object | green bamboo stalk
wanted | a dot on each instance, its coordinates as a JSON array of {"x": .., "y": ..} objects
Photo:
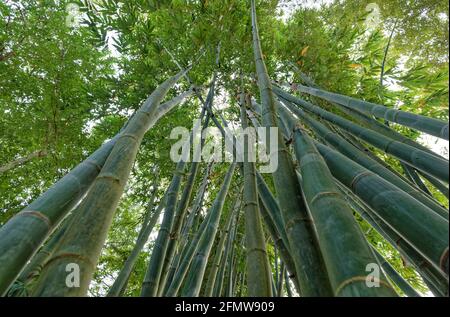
[
  {"x": 421, "y": 160},
  {"x": 415, "y": 178},
  {"x": 198, "y": 266},
  {"x": 310, "y": 268},
  {"x": 280, "y": 280},
  {"x": 231, "y": 267},
  {"x": 54, "y": 205},
  {"x": 219, "y": 253},
  {"x": 186, "y": 259},
  {"x": 82, "y": 244},
  {"x": 414, "y": 222},
  {"x": 407, "y": 289},
  {"x": 351, "y": 152},
  {"x": 286, "y": 283},
  {"x": 279, "y": 244},
  {"x": 150, "y": 220},
  {"x": 344, "y": 247},
  {"x": 258, "y": 269},
  {"x": 21, "y": 286},
  {"x": 18, "y": 243},
  {"x": 428, "y": 125},
  {"x": 272, "y": 216},
  {"x": 369, "y": 121},
  {"x": 218, "y": 283},
  {"x": 195, "y": 209},
  {"x": 179, "y": 218},
  {"x": 185, "y": 197},
  {"x": 155, "y": 266},
  {"x": 437, "y": 184},
  {"x": 434, "y": 278}
]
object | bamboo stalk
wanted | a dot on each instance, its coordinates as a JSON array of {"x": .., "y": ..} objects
[
  {"x": 278, "y": 241},
  {"x": 18, "y": 243},
  {"x": 181, "y": 208},
  {"x": 351, "y": 152},
  {"x": 407, "y": 289},
  {"x": 219, "y": 281},
  {"x": 34, "y": 268},
  {"x": 258, "y": 270},
  {"x": 369, "y": 121},
  {"x": 45, "y": 212},
  {"x": 198, "y": 266},
  {"x": 433, "y": 277},
  {"x": 310, "y": 268},
  {"x": 414, "y": 222},
  {"x": 421, "y": 160},
  {"x": 186, "y": 259},
  {"x": 428, "y": 125},
  {"x": 219, "y": 251},
  {"x": 344, "y": 247},
  {"x": 82, "y": 244},
  {"x": 195, "y": 209}
]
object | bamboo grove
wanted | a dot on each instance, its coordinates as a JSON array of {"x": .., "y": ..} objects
[{"x": 349, "y": 184}]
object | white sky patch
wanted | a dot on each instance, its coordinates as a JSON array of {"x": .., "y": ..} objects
[{"x": 435, "y": 144}]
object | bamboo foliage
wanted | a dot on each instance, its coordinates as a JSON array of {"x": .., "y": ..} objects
[
  {"x": 421, "y": 160},
  {"x": 344, "y": 248},
  {"x": 82, "y": 243},
  {"x": 416, "y": 223},
  {"x": 310, "y": 268}
]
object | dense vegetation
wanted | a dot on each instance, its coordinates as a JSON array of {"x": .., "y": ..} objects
[{"x": 91, "y": 90}]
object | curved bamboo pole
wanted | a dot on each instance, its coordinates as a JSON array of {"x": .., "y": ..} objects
[
  {"x": 353, "y": 153},
  {"x": 34, "y": 268},
  {"x": 198, "y": 264},
  {"x": 423, "y": 161},
  {"x": 344, "y": 247},
  {"x": 310, "y": 268},
  {"x": 428, "y": 125},
  {"x": 82, "y": 243},
  {"x": 398, "y": 280},
  {"x": 220, "y": 251},
  {"x": 18, "y": 243},
  {"x": 258, "y": 270},
  {"x": 413, "y": 221}
]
